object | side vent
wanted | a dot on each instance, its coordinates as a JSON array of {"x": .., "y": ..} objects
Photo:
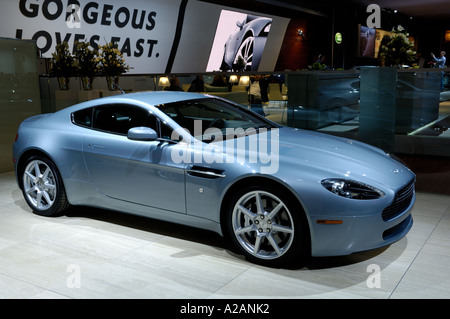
[{"x": 205, "y": 172}]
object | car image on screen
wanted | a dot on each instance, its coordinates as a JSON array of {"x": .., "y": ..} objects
[
  {"x": 278, "y": 194},
  {"x": 244, "y": 48}
]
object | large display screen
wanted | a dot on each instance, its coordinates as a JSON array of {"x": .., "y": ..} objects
[
  {"x": 157, "y": 36},
  {"x": 367, "y": 42},
  {"x": 370, "y": 41},
  {"x": 239, "y": 42},
  {"x": 378, "y": 38}
]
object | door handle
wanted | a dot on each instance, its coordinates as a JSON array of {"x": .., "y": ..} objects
[{"x": 97, "y": 147}]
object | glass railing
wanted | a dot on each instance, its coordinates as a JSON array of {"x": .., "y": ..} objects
[{"x": 402, "y": 111}]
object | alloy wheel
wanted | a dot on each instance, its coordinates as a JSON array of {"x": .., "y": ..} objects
[
  {"x": 263, "y": 225},
  {"x": 39, "y": 184},
  {"x": 245, "y": 52}
]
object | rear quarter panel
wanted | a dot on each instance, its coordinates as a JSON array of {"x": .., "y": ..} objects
[{"x": 61, "y": 141}]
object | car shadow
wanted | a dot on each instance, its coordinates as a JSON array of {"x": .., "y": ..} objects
[
  {"x": 150, "y": 225},
  {"x": 206, "y": 237}
]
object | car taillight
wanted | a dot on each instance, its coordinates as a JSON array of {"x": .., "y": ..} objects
[{"x": 17, "y": 136}]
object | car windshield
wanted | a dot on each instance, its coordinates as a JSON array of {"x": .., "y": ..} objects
[{"x": 205, "y": 119}]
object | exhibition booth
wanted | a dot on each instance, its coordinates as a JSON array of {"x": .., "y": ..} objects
[{"x": 219, "y": 230}]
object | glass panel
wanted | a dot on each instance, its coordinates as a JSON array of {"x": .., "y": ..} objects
[
  {"x": 397, "y": 110},
  {"x": 19, "y": 92}
]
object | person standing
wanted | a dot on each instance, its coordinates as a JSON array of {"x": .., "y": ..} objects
[
  {"x": 197, "y": 84},
  {"x": 255, "y": 95},
  {"x": 174, "y": 85},
  {"x": 440, "y": 63}
]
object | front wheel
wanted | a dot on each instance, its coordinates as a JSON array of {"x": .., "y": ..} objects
[
  {"x": 244, "y": 55},
  {"x": 42, "y": 187},
  {"x": 268, "y": 227}
]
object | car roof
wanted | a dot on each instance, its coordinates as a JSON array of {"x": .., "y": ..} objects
[
  {"x": 155, "y": 97},
  {"x": 148, "y": 98}
]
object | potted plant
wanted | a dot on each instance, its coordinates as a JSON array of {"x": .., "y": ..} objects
[
  {"x": 397, "y": 49},
  {"x": 112, "y": 64},
  {"x": 62, "y": 65},
  {"x": 87, "y": 62}
]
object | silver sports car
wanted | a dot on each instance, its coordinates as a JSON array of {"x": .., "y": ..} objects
[{"x": 277, "y": 193}]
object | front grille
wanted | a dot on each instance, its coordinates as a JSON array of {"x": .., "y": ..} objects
[
  {"x": 401, "y": 201},
  {"x": 397, "y": 229}
]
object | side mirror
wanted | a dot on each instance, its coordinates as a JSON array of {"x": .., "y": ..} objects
[{"x": 142, "y": 134}]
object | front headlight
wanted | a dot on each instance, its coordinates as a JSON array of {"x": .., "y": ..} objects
[{"x": 352, "y": 189}]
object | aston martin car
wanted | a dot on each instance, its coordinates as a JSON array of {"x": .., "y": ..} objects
[
  {"x": 243, "y": 49},
  {"x": 279, "y": 194}
]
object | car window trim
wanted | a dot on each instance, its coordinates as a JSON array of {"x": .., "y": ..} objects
[{"x": 91, "y": 126}]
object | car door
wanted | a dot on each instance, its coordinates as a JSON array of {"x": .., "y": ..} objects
[{"x": 140, "y": 172}]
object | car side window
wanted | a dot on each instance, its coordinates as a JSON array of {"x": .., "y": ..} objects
[
  {"x": 119, "y": 118},
  {"x": 83, "y": 117}
]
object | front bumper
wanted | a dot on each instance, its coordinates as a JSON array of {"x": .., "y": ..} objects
[{"x": 357, "y": 233}]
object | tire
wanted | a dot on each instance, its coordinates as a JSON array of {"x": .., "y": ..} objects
[
  {"x": 268, "y": 227},
  {"x": 42, "y": 187}
]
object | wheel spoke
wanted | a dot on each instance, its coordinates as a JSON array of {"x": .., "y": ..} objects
[
  {"x": 47, "y": 198},
  {"x": 274, "y": 244},
  {"x": 259, "y": 204},
  {"x": 282, "y": 229},
  {"x": 246, "y": 212},
  {"x": 31, "y": 176},
  {"x": 244, "y": 230},
  {"x": 31, "y": 190},
  {"x": 275, "y": 211},
  {"x": 47, "y": 171},
  {"x": 257, "y": 245},
  {"x": 37, "y": 171},
  {"x": 245, "y": 50},
  {"x": 49, "y": 186},
  {"x": 39, "y": 199}
]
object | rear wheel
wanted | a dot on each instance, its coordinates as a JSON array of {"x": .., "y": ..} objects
[
  {"x": 42, "y": 187},
  {"x": 267, "y": 227}
]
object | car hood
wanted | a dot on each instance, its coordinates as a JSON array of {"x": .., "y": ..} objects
[{"x": 322, "y": 156}]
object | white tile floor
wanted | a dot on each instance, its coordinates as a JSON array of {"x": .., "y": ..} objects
[{"x": 97, "y": 254}]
